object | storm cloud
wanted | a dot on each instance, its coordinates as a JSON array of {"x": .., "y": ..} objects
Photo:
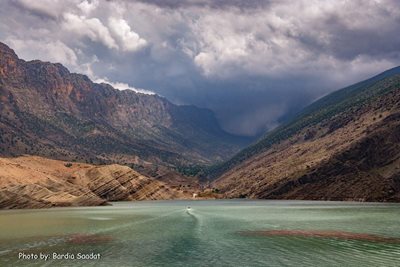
[{"x": 252, "y": 62}]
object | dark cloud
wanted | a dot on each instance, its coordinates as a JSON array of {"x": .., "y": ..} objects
[
  {"x": 345, "y": 42},
  {"x": 206, "y": 3},
  {"x": 252, "y": 62}
]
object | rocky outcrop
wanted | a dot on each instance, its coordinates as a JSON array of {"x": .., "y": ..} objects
[{"x": 35, "y": 182}]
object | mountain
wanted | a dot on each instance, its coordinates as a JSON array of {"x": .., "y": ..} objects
[
  {"x": 345, "y": 146},
  {"x": 35, "y": 182},
  {"x": 48, "y": 111}
]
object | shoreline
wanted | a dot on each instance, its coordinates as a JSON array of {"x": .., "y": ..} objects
[{"x": 161, "y": 201}]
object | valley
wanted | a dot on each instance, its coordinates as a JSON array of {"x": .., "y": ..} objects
[{"x": 66, "y": 141}]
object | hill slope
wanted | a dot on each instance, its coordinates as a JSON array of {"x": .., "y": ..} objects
[
  {"x": 343, "y": 146},
  {"x": 48, "y": 111},
  {"x": 35, "y": 182}
]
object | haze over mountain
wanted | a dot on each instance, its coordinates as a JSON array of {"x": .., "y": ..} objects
[
  {"x": 48, "y": 111},
  {"x": 254, "y": 63},
  {"x": 345, "y": 146}
]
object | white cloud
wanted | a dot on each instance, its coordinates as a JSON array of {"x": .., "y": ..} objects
[
  {"x": 280, "y": 39},
  {"x": 88, "y": 6},
  {"x": 123, "y": 86},
  {"x": 50, "y": 8},
  {"x": 53, "y": 51},
  {"x": 92, "y": 28},
  {"x": 116, "y": 35},
  {"x": 129, "y": 40}
]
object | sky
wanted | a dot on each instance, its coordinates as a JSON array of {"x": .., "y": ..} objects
[{"x": 254, "y": 63}]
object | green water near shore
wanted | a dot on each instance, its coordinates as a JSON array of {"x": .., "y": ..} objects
[{"x": 164, "y": 233}]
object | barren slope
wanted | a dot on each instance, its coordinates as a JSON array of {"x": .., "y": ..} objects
[
  {"x": 343, "y": 148},
  {"x": 35, "y": 182}
]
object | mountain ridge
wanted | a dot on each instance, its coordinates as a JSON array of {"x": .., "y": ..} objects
[
  {"x": 270, "y": 138},
  {"x": 342, "y": 147},
  {"x": 51, "y": 112}
]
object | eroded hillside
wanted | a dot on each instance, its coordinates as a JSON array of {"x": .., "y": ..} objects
[
  {"x": 343, "y": 147},
  {"x": 36, "y": 182}
]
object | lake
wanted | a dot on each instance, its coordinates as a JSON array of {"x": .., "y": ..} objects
[{"x": 210, "y": 233}]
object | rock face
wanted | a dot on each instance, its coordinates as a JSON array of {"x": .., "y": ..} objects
[
  {"x": 35, "y": 182},
  {"x": 343, "y": 147},
  {"x": 48, "y": 111}
]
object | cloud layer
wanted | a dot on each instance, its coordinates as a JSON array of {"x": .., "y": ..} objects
[{"x": 252, "y": 62}]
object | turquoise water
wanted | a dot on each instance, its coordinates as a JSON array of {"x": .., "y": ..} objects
[{"x": 165, "y": 233}]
